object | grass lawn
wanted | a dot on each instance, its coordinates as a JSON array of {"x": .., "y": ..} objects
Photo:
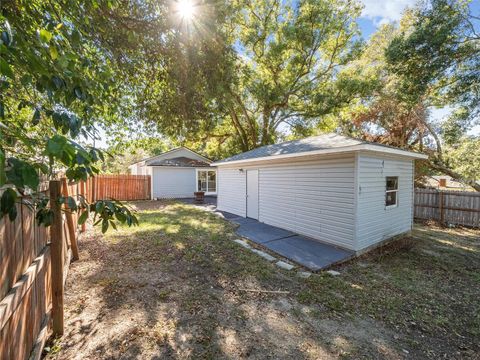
[{"x": 175, "y": 287}]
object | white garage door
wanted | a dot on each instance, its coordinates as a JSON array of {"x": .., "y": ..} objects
[{"x": 173, "y": 183}]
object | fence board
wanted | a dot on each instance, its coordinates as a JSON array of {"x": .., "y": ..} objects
[{"x": 448, "y": 207}]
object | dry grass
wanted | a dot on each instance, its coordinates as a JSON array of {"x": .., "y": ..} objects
[{"x": 170, "y": 288}]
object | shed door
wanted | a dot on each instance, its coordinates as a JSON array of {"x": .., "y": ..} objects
[{"x": 252, "y": 194}]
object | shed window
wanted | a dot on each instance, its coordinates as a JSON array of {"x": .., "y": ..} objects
[
  {"x": 207, "y": 181},
  {"x": 391, "y": 198}
]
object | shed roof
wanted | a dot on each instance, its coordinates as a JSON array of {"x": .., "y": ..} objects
[
  {"x": 154, "y": 157},
  {"x": 178, "y": 161},
  {"x": 322, "y": 144}
]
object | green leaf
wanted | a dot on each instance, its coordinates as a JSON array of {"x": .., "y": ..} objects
[
  {"x": 112, "y": 223},
  {"x": 76, "y": 37},
  {"x": 55, "y": 145},
  {"x": 104, "y": 226},
  {"x": 79, "y": 93},
  {"x": 22, "y": 174},
  {"x": 83, "y": 218},
  {"x": 36, "y": 117},
  {"x": 99, "y": 207},
  {"x": 45, "y": 35},
  {"x": 121, "y": 217},
  {"x": 7, "y": 201},
  {"x": 5, "y": 69},
  {"x": 59, "y": 82},
  {"x": 72, "y": 204},
  {"x": 53, "y": 52},
  {"x": 12, "y": 214},
  {"x": 30, "y": 176}
]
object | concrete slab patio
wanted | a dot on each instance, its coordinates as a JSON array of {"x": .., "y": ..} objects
[
  {"x": 307, "y": 252},
  {"x": 304, "y": 251}
]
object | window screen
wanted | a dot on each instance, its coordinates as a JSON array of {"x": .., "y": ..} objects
[{"x": 391, "y": 198}]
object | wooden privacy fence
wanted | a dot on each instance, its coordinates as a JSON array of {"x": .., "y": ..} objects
[
  {"x": 34, "y": 261},
  {"x": 119, "y": 187},
  {"x": 33, "y": 265},
  {"x": 448, "y": 207}
]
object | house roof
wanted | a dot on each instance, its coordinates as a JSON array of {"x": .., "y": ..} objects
[
  {"x": 322, "y": 144},
  {"x": 178, "y": 161},
  {"x": 152, "y": 158}
]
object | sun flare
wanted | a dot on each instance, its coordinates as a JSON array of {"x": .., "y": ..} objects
[{"x": 185, "y": 9}]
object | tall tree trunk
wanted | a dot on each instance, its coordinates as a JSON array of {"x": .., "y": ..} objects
[{"x": 240, "y": 131}]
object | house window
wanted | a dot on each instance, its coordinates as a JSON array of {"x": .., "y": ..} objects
[
  {"x": 391, "y": 198},
  {"x": 207, "y": 181}
]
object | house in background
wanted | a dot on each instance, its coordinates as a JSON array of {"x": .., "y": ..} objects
[
  {"x": 445, "y": 182},
  {"x": 334, "y": 189},
  {"x": 178, "y": 173}
]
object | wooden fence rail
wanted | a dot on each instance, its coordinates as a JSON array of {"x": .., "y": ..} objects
[{"x": 448, "y": 207}]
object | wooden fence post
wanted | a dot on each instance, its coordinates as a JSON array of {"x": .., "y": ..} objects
[
  {"x": 57, "y": 257},
  {"x": 441, "y": 208},
  {"x": 72, "y": 234}
]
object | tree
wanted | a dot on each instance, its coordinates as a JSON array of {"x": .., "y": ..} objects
[
  {"x": 437, "y": 60},
  {"x": 249, "y": 68},
  {"x": 397, "y": 109},
  {"x": 464, "y": 157},
  {"x": 56, "y": 82},
  {"x": 439, "y": 56},
  {"x": 287, "y": 58},
  {"x": 124, "y": 153}
]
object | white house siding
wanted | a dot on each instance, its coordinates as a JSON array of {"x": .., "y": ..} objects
[
  {"x": 313, "y": 198},
  {"x": 231, "y": 191},
  {"x": 375, "y": 222},
  {"x": 173, "y": 182}
]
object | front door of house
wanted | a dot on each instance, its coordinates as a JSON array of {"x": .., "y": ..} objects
[{"x": 252, "y": 194}]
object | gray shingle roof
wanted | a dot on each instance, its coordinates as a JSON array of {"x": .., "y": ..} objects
[
  {"x": 178, "y": 161},
  {"x": 313, "y": 143}
]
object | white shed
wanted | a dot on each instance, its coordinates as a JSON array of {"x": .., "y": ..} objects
[
  {"x": 334, "y": 189},
  {"x": 178, "y": 173}
]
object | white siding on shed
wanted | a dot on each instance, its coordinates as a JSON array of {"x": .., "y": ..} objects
[
  {"x": 313, "y": 198},
  {"x": 231, "y": 191},
  {"x": 168, "y": 182},
  {"x": 375, "y": 222}
]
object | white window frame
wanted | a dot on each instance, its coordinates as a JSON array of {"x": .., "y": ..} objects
[
  {"x": 216, "y": 180},
  {"x": 391, "y": 191}
]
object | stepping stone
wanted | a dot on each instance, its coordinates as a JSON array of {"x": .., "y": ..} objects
[
  {"x": 333, "y": 272},
  {"x": 243, "y": 243},
  {"x": 304, "y": 274},
  {"x": 284, "y": 265},
  {"x": 264, "y": 255}
]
